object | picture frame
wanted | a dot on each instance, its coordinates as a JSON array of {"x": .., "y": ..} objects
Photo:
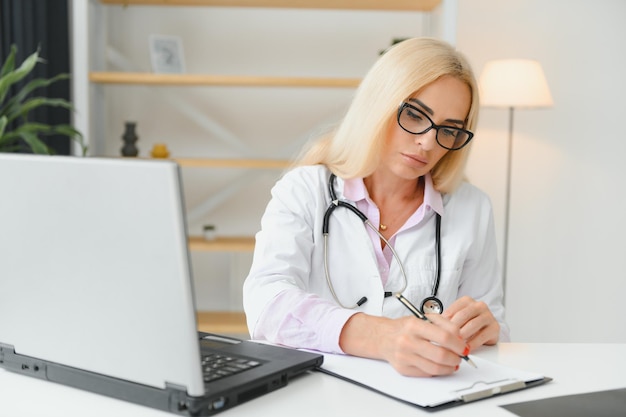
[{"x": 166, "y": 54}]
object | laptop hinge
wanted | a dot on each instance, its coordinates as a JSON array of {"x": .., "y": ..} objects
[
  {"x": 9, "y": 349},
  {"x": 177, "y": 397},
  {"x": 20, "y": 363}
]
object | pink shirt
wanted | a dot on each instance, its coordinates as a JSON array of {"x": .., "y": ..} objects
[
  {"x": 354, "y": 190},
  {"x": 315, "y": 322}
]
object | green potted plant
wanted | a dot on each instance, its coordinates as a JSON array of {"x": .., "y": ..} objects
[{"x": 15, "y": 127}]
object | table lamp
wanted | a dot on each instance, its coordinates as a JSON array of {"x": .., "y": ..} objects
[{"x": 512, "y": 83}]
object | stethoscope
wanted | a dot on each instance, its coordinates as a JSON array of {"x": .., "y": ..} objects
[{"x": 430, "y": 304}]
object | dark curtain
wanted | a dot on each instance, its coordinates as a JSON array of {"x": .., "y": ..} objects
[{"x": 43, "y": 24}]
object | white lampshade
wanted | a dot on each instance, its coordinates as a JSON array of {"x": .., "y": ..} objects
[{"x": 514, "y": 83}]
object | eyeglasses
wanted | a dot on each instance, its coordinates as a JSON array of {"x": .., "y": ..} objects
[{"x": 415, "y": 121}]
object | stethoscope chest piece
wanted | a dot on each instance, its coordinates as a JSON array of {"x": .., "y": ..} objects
[{"x": 432, "y": 305}]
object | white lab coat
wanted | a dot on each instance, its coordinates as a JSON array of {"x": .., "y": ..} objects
[{"x": 289, "y": 251}]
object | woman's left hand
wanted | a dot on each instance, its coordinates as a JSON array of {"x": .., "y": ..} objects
[{"x": 478, "y": 326}]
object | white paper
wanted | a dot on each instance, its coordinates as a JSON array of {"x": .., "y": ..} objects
[{"x": 426, "y": 392}]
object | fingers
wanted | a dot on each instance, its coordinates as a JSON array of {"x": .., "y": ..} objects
[
  {"x": 426, "y": 349},
  {"x": 444, "y": 323},
  {"x": 477, "y": 325},
  {"x": 427, "y": 363},
  {"x": 425, "y": 359},
  {"x": 457, "y": 306},
  {"x": 488, "y": 335}
]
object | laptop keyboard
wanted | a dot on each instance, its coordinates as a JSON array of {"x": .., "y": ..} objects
[{"x": 216, "y": 366}]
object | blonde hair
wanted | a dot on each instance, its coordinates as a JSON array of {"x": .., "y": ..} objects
[{"x": 353, "y": 148}]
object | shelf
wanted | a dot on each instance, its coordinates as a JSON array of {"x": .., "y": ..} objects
[
  {"x": 148, "y": 78},
  {"x": 232, "y": 163},
  {"x": 222, "y": 243},
  {"x": 413, "y": 5},
  {"x": 222, "y": 322}
]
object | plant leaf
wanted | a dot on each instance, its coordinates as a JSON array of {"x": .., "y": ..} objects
[
  {"x": 9, "y": 64},
  {"x": 35, "y": 143},
  {"x": 72, "y": 133},
  {"x": 20, "y": 105},
  {"x": 10, "y": 105},
  {"x": 35, "y": 102},
  {"x": 16, "y": 75},
  {"x": 3, "y": 125},
  {"x": 43, "y": 129},
  {"x": 12, "y": 148},
  {"x": 31, "y": 127},
  {"x": 27, "y": 128},
  {"x": 67, "y": 130}
]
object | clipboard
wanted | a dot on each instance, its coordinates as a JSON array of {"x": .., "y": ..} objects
[{"x": 464, "y": 386}]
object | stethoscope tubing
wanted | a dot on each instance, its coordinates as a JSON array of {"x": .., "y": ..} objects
[
  {"x": 438, "y": 246},
  {"x": 335, "y": 202}
]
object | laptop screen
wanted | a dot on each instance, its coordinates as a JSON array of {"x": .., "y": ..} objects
[{"x": 95, "y": 264}]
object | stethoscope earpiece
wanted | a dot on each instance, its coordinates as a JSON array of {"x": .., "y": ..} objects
[{"x": 362, "y": 301}]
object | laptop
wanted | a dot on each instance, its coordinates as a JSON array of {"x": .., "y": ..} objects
[{"x": 96, "y": 289}]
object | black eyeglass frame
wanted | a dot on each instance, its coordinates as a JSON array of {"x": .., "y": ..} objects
[{"x": 404, "y": 105}]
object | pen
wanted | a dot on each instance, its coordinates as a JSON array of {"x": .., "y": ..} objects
[{"x": 422, "y": 316}]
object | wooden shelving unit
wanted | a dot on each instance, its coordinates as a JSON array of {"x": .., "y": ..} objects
[
  {"x": 148, "y": 78},
  {"x": 225, "y": 244},
  {"x": 222, "y": 322},
  {"x": 229, "y": 322},
  {"x": 408, "y": 5},
  {"x": 232, "y": 163}
]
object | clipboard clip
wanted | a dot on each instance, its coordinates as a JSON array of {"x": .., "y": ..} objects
[{"x": 491, "y": 389}]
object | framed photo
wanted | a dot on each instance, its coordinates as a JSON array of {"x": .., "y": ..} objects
[{"x": 166, "y": 54}]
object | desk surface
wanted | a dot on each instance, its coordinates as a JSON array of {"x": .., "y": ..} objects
[{"x": 576, "y": 368}]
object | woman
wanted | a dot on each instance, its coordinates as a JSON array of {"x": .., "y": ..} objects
[{"x": 398, "y": 156}]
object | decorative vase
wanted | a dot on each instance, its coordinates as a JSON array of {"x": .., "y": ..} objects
[
  {"x": 130, "y": 139},
  {"x": 208, "y": 230},
  {"x": 159, "y": 150}
]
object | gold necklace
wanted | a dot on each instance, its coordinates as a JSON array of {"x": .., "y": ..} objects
[{"x": 382, "y": 227}]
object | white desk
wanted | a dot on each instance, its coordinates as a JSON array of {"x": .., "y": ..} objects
[{"x": 576, "y": 368}]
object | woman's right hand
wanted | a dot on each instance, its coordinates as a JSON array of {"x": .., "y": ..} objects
[{"x": 413, "y": 347}]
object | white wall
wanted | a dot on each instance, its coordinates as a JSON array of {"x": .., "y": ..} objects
[{"x": 566, "y": 278}]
